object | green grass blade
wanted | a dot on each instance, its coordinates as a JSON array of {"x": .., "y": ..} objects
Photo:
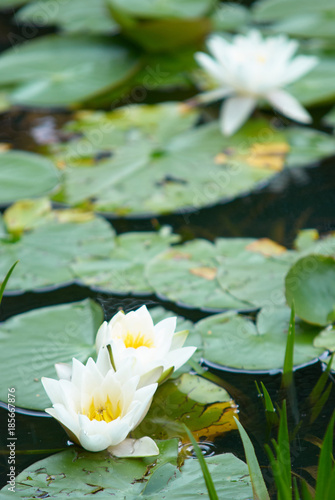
[
  {"x": 325, "y": 463},
  {"x": 321, "y": 383},
  {"x": 5, "y": 281},
  {"x": 267, "y": 399},
  {"x": 320, "y": 403},
  {"x": 284, "y": 456},
  {"x": 207, "y": 476},
  {"x": 295, "y": 489},
  {"x": 331, "y": 486},
  {"x": 258, "y": 485},
  {"x": 289, "y": 352},
  {"x": 284, "y": 493},
  {"x": 305, "y": 493}
]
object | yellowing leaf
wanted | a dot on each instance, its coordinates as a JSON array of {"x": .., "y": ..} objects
[
  {"x": 266, "y": 247},
  {"x": 221, "y": 416},
  {"x": 74, "y": 215},
  {"x": 208, "y": 273},
  {"x": 270, "y": 156},
  {"x": 26, "y": 214}
]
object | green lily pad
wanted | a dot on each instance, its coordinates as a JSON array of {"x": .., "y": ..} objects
[
  {"x": 265, "y": 11},
  {"x": 207, "y": 409},
  {"x": 233, "y": 273},
  {"x": 310, "y": 285},
  {"x": 157, "y": 9},
  {"x": 32, "y": 342},
  {"x": 47, "y": 243},
  {"x": 25, "y": 175},
  {"x": 75, "y": 16},
  {"x": 234, "y": 341},
  {"x": 230, "y": 17},
  {"x": 77, "y": 473},
  {"x": 65, "y": 70},
  {"x": 163, "y": 26},
  {"x": 122, "y": 271},
  {"x": 146, "y": 160}
]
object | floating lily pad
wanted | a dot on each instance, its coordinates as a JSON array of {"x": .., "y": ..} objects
[
  {"x": 122, "y": 271},
  {"x": 25, "y": 175},
  {"x": 47, "y": 243},
  {"x": 83, "y": 474},
  {"x": 31, "y": 343},
  {"x": 233, "y": 273},
  {"x": 235, "y": 341},
  {"x": 75, "y": 16},
  {"x": 65, "y": 70},
  {"x": 157, "y": 9},
  {"x": 163, "y": 26},
  {"x": 151, "y": 159},
  {"x": 265, "y": 11},
  {"x": 207, "y": 409},
  {"x": 310, "y": 285},
  {"x": 230, "y": 17}
]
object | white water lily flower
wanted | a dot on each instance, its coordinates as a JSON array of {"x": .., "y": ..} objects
[
  {"x": 251, "y": 68},
  {"x": 99, "y": 407},
  {"x": 134, "y": 335}
]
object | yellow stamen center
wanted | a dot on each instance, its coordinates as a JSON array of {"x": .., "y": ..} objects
[
  {"x": 104, "y": 412},
  {"x": 137, "y": 340}
]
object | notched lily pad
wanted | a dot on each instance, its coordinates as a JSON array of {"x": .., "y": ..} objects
[
  {"x": 151, "y": 159},
  {"x": 234, "y": 341},
  {"x": 232, "y": 273},
  {"x": 122, "y": 271}
]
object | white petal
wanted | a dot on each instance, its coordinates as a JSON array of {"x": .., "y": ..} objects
[
  {"x": 151, "y": 376},
  {"x": 210, "y": 66},
  {"x": 102, "y": 336},
  {"x": 53, "y": 389},
  {"x": 64, "y": 370},
  {"x": 179, "y": 339},
  {"x": 163, "y": 332},
  {"x": 234, "y": 112},
  {"x": 213, "y": 95},
  {"x": 289, "y": 106},
  {"x": 299, "y": 67},
  {"x": 180, "y": 356},
  {"x": 66, "y": 418},
  {"x": 143, "y": 447},
  {"x": 103, "y": 361}
]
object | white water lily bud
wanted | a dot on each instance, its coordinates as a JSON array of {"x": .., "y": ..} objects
[
  {"x": 156, "y": 350},
  {"x": 253, "y": 68}
]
